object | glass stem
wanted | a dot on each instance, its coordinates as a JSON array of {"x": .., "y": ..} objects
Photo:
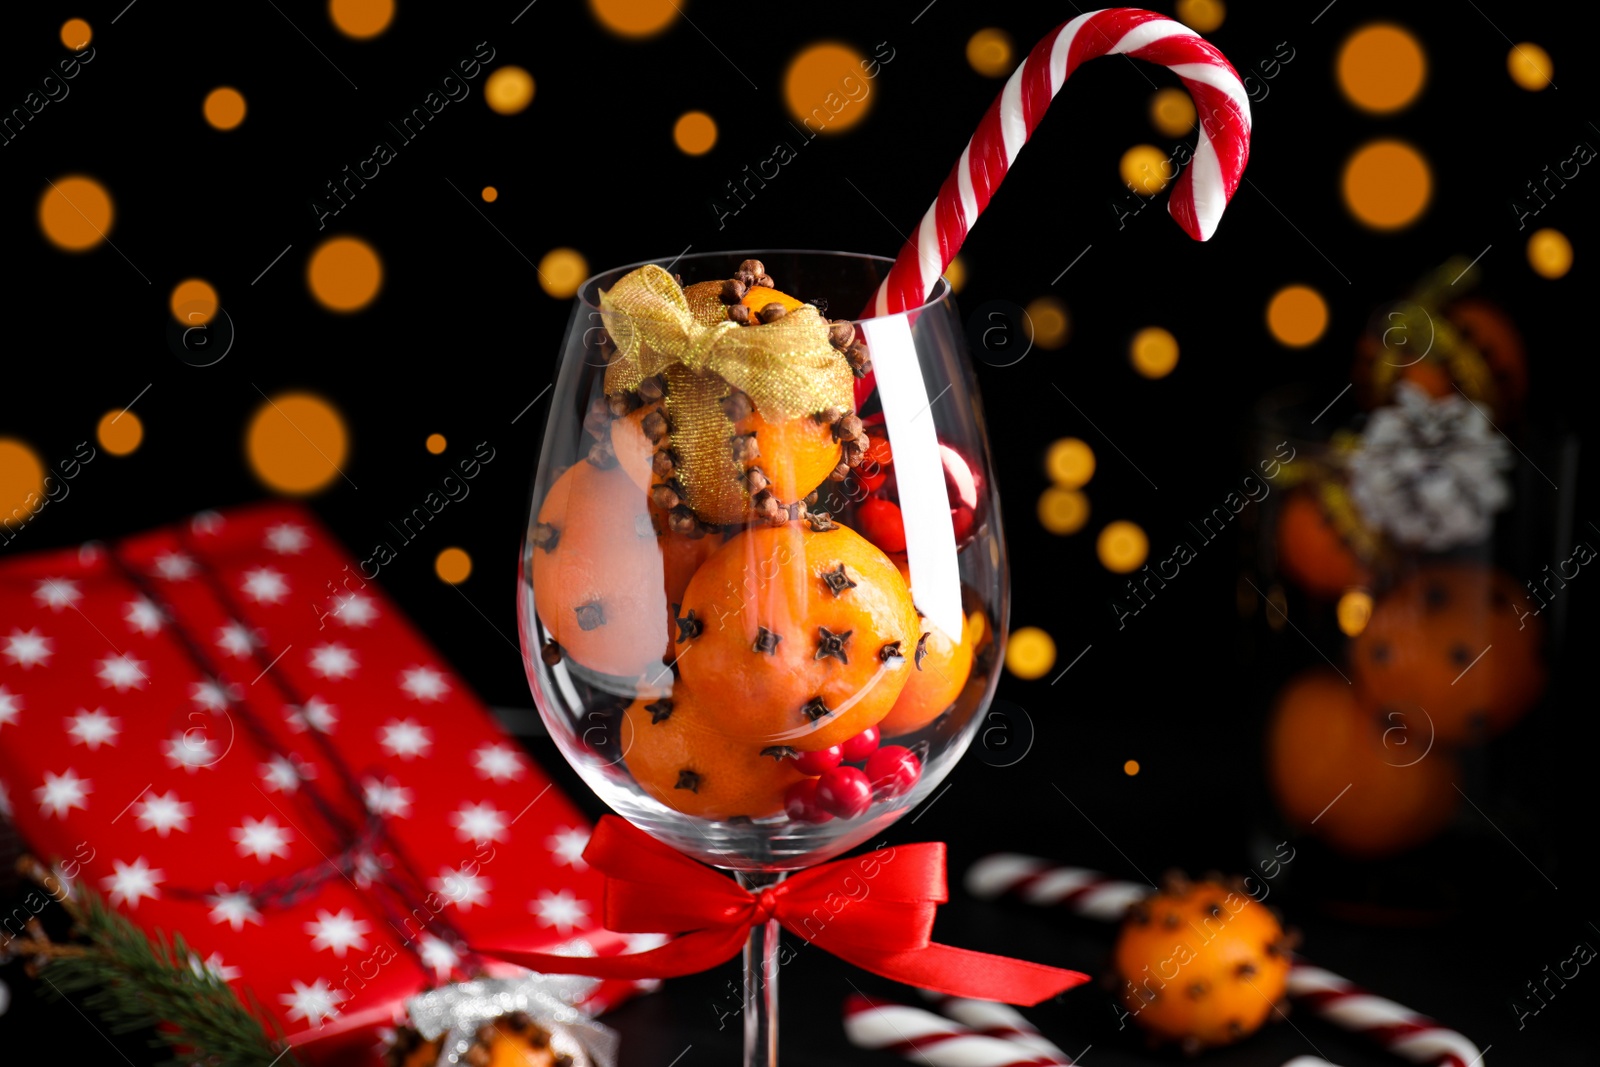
[{"x": 761, "y": 980}]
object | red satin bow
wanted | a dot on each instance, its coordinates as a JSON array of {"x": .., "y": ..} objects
[{"x": 875, "y": 911}]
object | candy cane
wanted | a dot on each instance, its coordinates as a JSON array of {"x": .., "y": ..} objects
[
  {"x": 1199, "y": 196},
  {"x": 1091, "y": 894},
  {"x": 1085, "y": 892},
  {"x": 930, "y": 1039},
  {"x": 1397, "y": 1028},
  {"x": 993, "y": 1019}
]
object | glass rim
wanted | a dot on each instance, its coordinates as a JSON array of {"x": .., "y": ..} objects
[{"x": 942, "y": 291}]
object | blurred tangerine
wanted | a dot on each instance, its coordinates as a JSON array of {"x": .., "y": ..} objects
[
  {"x": 76, "y": 34},
  {"x": 453, "y": 566},
  {"x": 1172, "y": 112},
  {"x": 1122, "y": 547},
  {"x": 1030, "y": 653},
  {"x": 21, "y": 476},
  {"x": 1153, "y": 352},
  {"x": 1530, "y": 66},
  {"x": 561, "y": 271},
  {"x": 1297, "y": 316},
  {"x": 989, "y": 52}
]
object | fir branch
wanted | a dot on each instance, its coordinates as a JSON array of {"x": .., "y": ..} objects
[{"x": 134, "y": 982}]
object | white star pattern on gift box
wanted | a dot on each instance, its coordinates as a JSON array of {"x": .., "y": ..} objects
[
  {"x": 287, "y": 539},
  {"x": 190, "y": 749},
  {"x": 89, "y": 728},
  {"x": 314, "y": 1002},
  {"x": 316, "y": 714},
  {"x": 133, "y": 882},
  {"x": 283, "y": 774},
  {"x": 338, "y": 933},
  {"x": 236, "y": 640},
  {"x": 261, "y": 838},
  {"x": 332, "y": 661},
  {"x": 122, "y": 673},
  {"x": 566, "y": 847},
  {"x": 561, "y": 910},
  {"x": 28, "y": 648},
  {"x": 387, "y": 797},
  {"x": 174, "y": 567},
  {"x": 355, "y": 610},
  {"x": 10, "y": 706},
  {"x": 142, "y": 616},
  {"x": 424, "y": 683},
  {"x": 642, "y": 942},
  {"x": 442, "y": 956},
  {"x": 498, "y": 763},
  {"x": 233, "y": 908},
  {"x": 63, "y": 792},
  {"x": 369, "y": 867},
  {"x": 212, "y": 965},
  {"x": 211, "y": 695},
  {"x": 479, "y": 823},
  {"x": 405, "y": 739},
  {"x": 57, "y": 594},
  {"x": 460, "y": 888},
  {"x": 207, "y": 522},
  {"x": 164, "y": 813},
  {"x": 264, "y": 585}
]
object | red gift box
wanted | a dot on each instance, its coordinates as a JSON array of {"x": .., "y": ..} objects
[{"x": 230, "y": 733}]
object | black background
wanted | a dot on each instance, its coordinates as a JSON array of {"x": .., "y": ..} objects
[{"x": 462, "y": 339}]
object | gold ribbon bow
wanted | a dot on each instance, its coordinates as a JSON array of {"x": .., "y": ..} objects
[{"x": 787, "y": 367}]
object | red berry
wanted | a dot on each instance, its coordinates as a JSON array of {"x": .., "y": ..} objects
[
  {"x": 880, "y": 523},
  {"x": 819, "y": 762},
  {"x": 893, "y": 769},
  {"x": 874, "y": 470},
  {"x": 858, "y": 747},
  {"x": 843, "y": 791},
  {"x": 800, "y": 801}
]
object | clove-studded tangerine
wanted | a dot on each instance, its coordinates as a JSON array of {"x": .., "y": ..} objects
[
  {"x": 791, "y": 661},
  {"x": 698, "y": 442},
  {"x": 1450, "y": 642},
  {"x": 1201, "y": 965},
  {"x": 940, "y": 666},
  {"x": 598, "y": 581},
  {"x": 677, "y": 755}
]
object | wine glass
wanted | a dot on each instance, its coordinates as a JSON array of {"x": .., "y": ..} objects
[{"x": 763, "y": 591}]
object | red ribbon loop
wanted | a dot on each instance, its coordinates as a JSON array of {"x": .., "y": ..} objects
[{"x": 875, "y": 911}]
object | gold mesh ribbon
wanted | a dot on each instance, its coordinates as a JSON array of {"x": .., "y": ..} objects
[{"x": 787, "y": 367}]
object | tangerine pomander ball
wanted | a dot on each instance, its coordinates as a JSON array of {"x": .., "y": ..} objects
[
  {"x": 1311, "y": 552},
  {"x": 598, "y": 582},
  {"x": 940, "y": 667},
  {"x": 1450, "y": 642},
  {"x": 1201, "y": 965},
  {"x": 804, "y": 634},
  {"x": 1369, "y": 783},
  {"x": 678, "y": 755}
]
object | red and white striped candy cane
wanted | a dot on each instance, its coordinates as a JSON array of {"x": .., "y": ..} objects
[
  {"x": 1091, "y": 894},
  {"x": 1396, "y": 1027},
  {"x": 1201, "y": 193},
  {"x": 932, "y": 1040},
  {"x": 993, "y": 1019},
  {"x": 1088, "y": 893}
]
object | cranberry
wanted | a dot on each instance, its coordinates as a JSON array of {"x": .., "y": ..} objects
[
  {"x": 844, "y": 791},
  {"x": 880, "y": 523},
  {"x": 894, "y": 770},
  {"x": 858, "y": 747},
  {"x": 800, "y": 801},
  {"x": 874, "y": 470},
  {"x": 819, "y": 762}
]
